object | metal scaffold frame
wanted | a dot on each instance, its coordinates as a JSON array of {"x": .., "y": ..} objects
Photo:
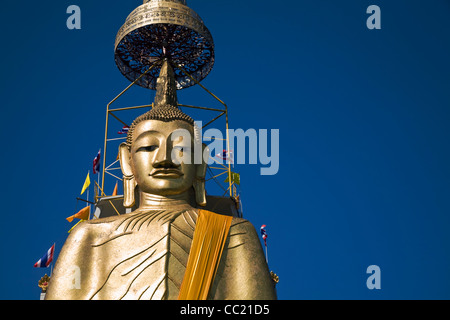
[{"x": 111, "y": 112}]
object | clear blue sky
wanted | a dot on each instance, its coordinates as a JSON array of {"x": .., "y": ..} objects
[{"x": 363, "y": 116}]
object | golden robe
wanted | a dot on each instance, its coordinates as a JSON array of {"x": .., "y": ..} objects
[{"x": 144, "y": 254}]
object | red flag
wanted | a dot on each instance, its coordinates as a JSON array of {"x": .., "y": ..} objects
[
  {"x": 96, "y": 163},
  {"x": 264, "y": 234},
  {"x": 225, "y": 155},
  {"x": 45, "y": 261}
]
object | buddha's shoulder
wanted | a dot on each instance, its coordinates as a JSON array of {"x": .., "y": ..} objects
[
  {"x": 96, "y": 225},
  {"x": 242, "y": 235},
  {"x": 241, "y": 225}
]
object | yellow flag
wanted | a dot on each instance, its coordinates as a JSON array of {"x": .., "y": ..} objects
[
  {"x": 235, "y": 178},
  {"x": 86, "y": 184},
  {"x": 83, "y": 214}
]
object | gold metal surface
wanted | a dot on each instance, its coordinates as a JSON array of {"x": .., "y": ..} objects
[
  {"x": 43, "y": 283},
  {"x": 144, "y": 254},
  {"x": 161, "y": 29},
  {"x": 274, "y": 277}
]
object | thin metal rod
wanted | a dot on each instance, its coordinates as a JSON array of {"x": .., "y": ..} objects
[
  {"x": 228, "y": 148},
  {"x": 197, "y": 82},
  {"x": 75, "y": 226},
  {"x": 113, "y": 175},
  {"x": 115, "y": 139},
  {"x": 217, "y": 175},
  {"x": 213, "y": 120},
  {"x": 130, "y": 108},
  {"x": 108, "y": 200},
  {"x": 134, "y": 82},
  {"x": 217, "y": 162},
  {"x": 85, "y": 200},
  {"x": 117, "y": 118},
  {"x": 100, "y": 189},
  {"x": 104, "y": 146},
  {"x": 112, "y": 164},
  {"x": 114, "y": 207},
  {"x": 203, "y": 108}
]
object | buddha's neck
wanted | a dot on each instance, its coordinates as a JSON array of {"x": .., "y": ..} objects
[{"x": 153, "y": 201}]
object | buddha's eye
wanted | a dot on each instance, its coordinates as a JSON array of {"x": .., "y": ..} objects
[
  {"x": 182, "y": 149},
  {"x": 147, "y": 148}
]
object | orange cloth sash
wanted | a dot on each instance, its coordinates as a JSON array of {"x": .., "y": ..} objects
[{"x": 210, "y": 234}]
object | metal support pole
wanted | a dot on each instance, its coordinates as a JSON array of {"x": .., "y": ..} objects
[{"x": 228, "y": 151}]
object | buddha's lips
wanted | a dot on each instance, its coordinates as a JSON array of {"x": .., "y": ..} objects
[{"x": 166, "y": 173}]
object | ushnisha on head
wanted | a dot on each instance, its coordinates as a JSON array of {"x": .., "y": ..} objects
[{"x": 158, "y": 154}]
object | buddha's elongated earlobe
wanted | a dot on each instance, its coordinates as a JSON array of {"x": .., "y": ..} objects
[
  {"x": 199, "y": 182},
  {"x": 129, "y": 183},
  {"x": 200, "y": 193}
]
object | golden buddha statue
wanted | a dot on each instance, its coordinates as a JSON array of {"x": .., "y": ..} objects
[{"x": 159, "y": 250}]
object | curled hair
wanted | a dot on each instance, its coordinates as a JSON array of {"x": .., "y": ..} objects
[{"x": 165, "y": 113}]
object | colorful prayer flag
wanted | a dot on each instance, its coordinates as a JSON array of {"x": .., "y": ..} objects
[
  {"x": 264, "y": 234},
  {"x": 45, "y": 261},
  {"x": 83, "y": 214},
  {"x": 235, "y": 178},
  {"x": 225, "y": 155},
  {"x": 96, "y": 163},
  {"x": 115, "y": 190},
  {"x": 124, "y": 130},
  {"x": 86, "y": 184}
]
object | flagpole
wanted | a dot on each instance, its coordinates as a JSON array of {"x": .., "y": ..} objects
[
  {"x": 74, "y": 226},
  {"x": 98, "y": 179},
  {"x": 264, "y": 236},
  {"x": 88, "y": 196},
  {"x": 98, "y": 173},
  {"x": 89, "y": 205},
  {"x": 51, "y": 265}
]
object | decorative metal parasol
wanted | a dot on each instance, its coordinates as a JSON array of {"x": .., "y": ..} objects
[{"x": 164, "y": 29}]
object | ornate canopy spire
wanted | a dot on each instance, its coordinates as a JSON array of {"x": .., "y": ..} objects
[
  {"x": 160, "y": 29},
  {"x": 166, "y": 87}
]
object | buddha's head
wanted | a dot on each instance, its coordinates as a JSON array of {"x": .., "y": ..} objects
[{"x": 158, "y": 154}]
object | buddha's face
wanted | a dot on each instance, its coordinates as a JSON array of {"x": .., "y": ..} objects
[{"x": 158, "y": 157}]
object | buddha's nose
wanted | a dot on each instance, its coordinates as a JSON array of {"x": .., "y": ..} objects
[
  {"x": 163, "y": 158},
  {"x": 165, "y": 164}
]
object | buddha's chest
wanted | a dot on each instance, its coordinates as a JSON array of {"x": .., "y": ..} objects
[{"x": 146, "y": 259}]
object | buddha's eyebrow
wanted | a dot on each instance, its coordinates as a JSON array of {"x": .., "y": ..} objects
[
  {"x": 145, "y": 134},
  {"x": 190, "y": 138},
  {"x": 182, "y": 140}
]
